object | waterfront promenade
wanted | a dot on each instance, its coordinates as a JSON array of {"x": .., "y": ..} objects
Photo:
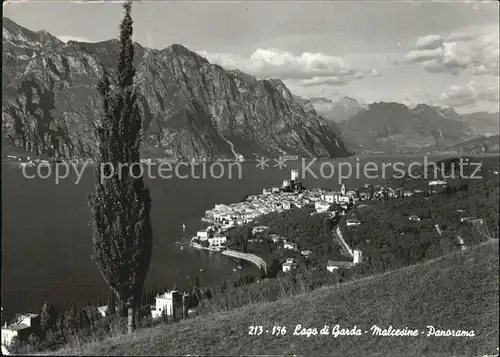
[{"x": 252, "y": 258}]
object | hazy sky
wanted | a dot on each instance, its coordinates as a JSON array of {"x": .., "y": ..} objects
[{"x": 444, "y": 53}]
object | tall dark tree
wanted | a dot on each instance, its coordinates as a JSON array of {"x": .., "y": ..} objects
[
  {"x": 112, "y": 304},
  {"x": 121, "y": 203},
  {"x": 48, "y": 318},
  {"x": 327, "y": 228}
]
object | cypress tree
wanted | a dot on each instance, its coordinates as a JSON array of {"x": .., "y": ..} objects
[
  {"x": 48, "y": 318},
  {"x": 120, "y": 205}
]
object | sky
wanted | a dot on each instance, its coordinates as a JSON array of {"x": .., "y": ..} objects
[{"x": 439, "y": 53}]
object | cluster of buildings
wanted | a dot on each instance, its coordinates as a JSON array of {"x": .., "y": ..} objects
[
  {"x": 293, "y": 194},
  {"x": 211, "y": 238},
  {"x": 275, "y": 199},
  {"x": 338, "y": 202},
  {"x": 29, "y": 161},
  {"x": 290, "y": 194}
]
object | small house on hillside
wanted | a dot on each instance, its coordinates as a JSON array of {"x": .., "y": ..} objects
[
  {"x": 22, "y": 328},
  {"x": 103, "y": 310},
  {"x": 276, "y": 238},
  {"x": 357, "y": 256},
  {"x": 288, "y": 265},
  {"x": 290, "y": 245},
  {"x": 437, "y": 183},
  {"x": 353, "y": 222},
  {"x": 332, "y": 265},
  {"x": 260, "y": 229},
  {"x": 286, "y": 205},
  {"x": 407, "y": 194},
  {"x": 169, "y": 303},
  {"x": 306, "y": 253},
  {"x": 322, "y": 206}
]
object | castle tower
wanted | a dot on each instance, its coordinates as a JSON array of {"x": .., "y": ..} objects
[
  {"x": 294, "y": 175},
  {"x": 342, "y": 190}
]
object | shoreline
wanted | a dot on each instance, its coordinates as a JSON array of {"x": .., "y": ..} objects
[{"x": 252, "y": 258}]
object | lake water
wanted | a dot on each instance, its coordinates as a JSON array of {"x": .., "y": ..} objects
[{"x": 47, "y": 242}]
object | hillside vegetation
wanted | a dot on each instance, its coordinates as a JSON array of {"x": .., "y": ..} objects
[{"x": 458, "y": 291}]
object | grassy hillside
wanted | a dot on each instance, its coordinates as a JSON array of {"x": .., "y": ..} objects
[{"x": 458, "y": 291}]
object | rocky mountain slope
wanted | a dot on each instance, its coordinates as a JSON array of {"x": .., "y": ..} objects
[
  {"x": 336, "y": 111},
  {"x": 192, "y": 109},
  {"x": 395, "y": 127},
  {"x": 482, "y": 144},
  {"x": 485, "y": 123}
]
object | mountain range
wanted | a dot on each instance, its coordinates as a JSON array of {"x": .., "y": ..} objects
[
  {"x": 195, "y": 109},
  {"x": 192, "y": 108},
  {"x": 389, "y": 126}
]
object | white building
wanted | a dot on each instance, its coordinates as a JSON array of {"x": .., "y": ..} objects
[
  {"x": 217, "y": 240},
  {"x": 286, "y": 205},
  {"x": 294, "y": 175},
  {"x": 351, "y": 193},
  {"x": 290, "y": 245},
  {"x": 204, "y": 234},
  {"x": 357, "y": 256},
  {"x": 342, "y": 199},
  {"x": 353, "y": 222},
  {"x": 275, "y": 238},
  {"x": 286, "y": 267},
  {"x": 286, "y": 183},
  {"x": 461, "y": 243},
  {"x": 22, "y": 328},
  {"x": 437, "y": 183},
  {"x": 103, "y": 310},
  {"x": 322, "y": 206},
  {"x": 328, "y": 197},
  {"x": 331, "y": 266},
  {"x": 167, "y": 303},
  {"x": 259, "y": 229}
]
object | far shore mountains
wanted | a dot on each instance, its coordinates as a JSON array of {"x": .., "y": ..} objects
[
  {"x": 197, "y": 110},
  {"x": 392, "y": 127}
]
